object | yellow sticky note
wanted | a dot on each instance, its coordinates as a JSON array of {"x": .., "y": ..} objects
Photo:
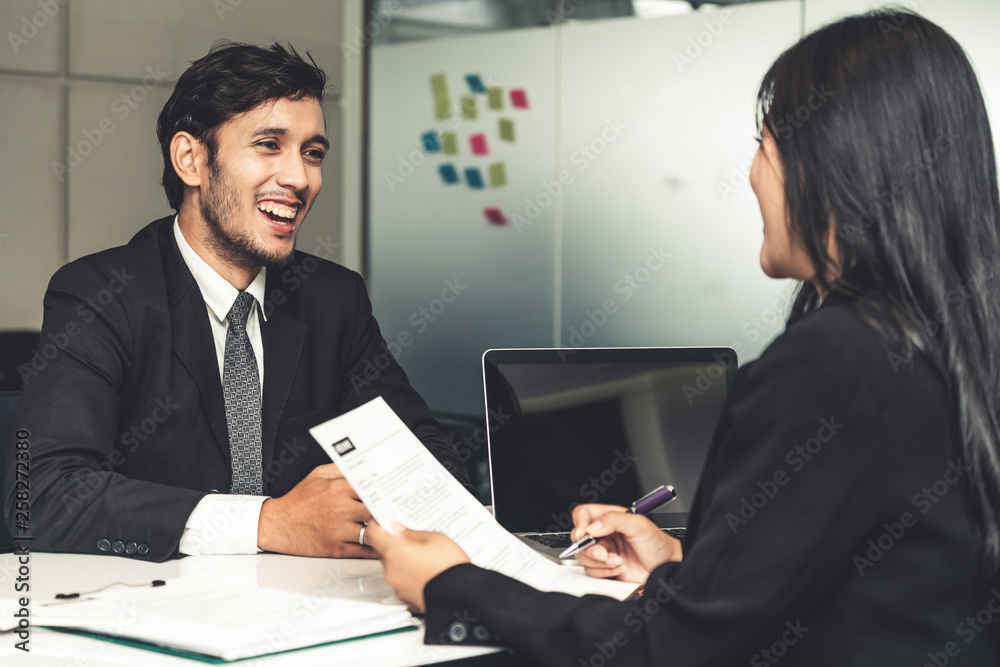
[
  {"x": 498, "y": 175},
  {"x": 496, "y": 97},
  {"x": 449, "y": 143},
  {"x": 442, "y": 103},
  {"x": 469, "y": 111},
  {"x": 507, "y": 129}
]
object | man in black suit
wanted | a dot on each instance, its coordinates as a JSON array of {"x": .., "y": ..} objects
[{"x": 151, "y": 431}]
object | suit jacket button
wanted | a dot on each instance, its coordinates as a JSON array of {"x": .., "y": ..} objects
[
  {"x": 130, "y": 548},
  {"x": 480, "y": 633},
  {"x": 458, "y": 632},
  {"x": 103, "y": 545},
  {"x": 117, "y": 546},
  {"x": 142, "y": 550}
]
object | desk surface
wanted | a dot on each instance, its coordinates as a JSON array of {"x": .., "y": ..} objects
[{"x": 348, "y": 578}]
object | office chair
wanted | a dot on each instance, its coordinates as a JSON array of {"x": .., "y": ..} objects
[
  {"x": 16, "y": 348},
  {"x": 8, "y": 401},
  {"x": 469, "y": 435}
]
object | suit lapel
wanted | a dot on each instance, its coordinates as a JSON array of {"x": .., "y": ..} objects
[
  {"x": 283, "y": 340},
  {"x": 192, "y": 333}
]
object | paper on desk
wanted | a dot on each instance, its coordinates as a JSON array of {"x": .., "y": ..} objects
[
  {"x": 400, "y": 480},
  {"x": 220, "y": 619}
]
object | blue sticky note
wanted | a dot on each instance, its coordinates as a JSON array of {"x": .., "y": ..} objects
[
  {"x": 476, "y": 84},
  {"x": 474, "y": 178},
  {"x": 448, "y": 173},
  {"x": 430, "y": 140}
]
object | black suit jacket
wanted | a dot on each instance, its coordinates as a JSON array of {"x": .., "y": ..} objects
[
  {"x": 831, "y": 527},
  {"x": 124, "y": 406}
]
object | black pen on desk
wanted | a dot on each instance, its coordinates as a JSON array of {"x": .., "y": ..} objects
[{"x": 653, "y": 500}]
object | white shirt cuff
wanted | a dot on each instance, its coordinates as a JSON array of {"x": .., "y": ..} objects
[{"x": 222, "y": 524}]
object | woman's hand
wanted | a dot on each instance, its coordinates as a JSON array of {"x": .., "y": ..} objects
[
  {"x": 412, "y": 558},
  {"x": 633, "y": 546}
]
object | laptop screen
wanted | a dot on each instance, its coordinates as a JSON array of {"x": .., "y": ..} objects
[{"x": 599, "y": 425}]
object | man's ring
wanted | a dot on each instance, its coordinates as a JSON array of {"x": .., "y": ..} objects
[{"x": 361, "y": 536}]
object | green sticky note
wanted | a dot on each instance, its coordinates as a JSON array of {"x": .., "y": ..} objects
[
  {"x": 496, "y": 97},
  {"x": 449, "y": 143},
  {"x": 498, "y": 175},
  {"x": 507, "y": 129},
  {"x": 442, "y": 109},
  {"x": 469, "y": 107},
  {"x": 439, "y": 85}
]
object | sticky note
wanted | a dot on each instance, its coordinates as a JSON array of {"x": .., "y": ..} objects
[
  {"x": 469, "y": 107},
  {"x": 474, "y": 178},
  {"x": 498, "y": 175},
  {"x": 478, "y": 143},
  {"x": 507, "y": 129},
  {"x": 495, "y": 215},
  {"x": 430, "y": 141},
  {"x": 518, "y": 98},
  {"x": 496, "y": 97},
  {"x": 448, "y": 173},
  {"x": 476, "y": 84},
  {"x": 439, "y": 86},
  {"x": 442, "y": 109},
  {"x": 450, "y": 143}
]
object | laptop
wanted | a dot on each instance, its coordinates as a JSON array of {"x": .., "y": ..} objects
[{"x": 598, "y": 425}]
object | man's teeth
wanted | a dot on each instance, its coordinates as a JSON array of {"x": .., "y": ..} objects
[{"x": 276, "y": 209}]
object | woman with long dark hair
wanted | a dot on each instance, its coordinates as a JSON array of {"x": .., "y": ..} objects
[{"x": 866, "y": 435}]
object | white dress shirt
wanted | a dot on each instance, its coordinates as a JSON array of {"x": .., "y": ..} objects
[{"x": 224, "y": 523}]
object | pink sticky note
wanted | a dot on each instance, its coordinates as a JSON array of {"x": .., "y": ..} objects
[
  {"x": 518, "y": 98},
  {"x": 478, "y": 142},
  {"x": 495, "y": 215}
]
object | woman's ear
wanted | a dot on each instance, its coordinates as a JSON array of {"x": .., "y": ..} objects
[{"x": 189, "y": 157}]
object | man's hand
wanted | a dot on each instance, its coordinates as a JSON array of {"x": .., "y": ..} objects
[
  {"x": 633, "y": 546},
  {"x": 412, "y": 558},
  {"x": 321, "y": 516}
]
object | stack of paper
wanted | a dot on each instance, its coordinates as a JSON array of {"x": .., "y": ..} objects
[{"x": 220, "y": 620}]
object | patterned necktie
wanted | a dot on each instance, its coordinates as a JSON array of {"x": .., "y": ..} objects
[{"x": 241, "y": 386}]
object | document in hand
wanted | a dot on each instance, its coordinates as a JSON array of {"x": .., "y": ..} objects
[
  {"x": 217, "y": 621},
  {"x": 400, "y": 480}
]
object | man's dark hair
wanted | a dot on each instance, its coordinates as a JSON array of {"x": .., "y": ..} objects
[{"x": 230, "y": 80}]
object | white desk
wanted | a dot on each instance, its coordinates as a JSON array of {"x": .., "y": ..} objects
[{"x": 68, "y": 573}]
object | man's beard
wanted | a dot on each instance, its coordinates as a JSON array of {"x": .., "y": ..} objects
[{"x": 234, "y": 245}]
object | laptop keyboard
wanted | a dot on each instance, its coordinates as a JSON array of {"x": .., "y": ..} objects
[{"x": 562, "y": 541}]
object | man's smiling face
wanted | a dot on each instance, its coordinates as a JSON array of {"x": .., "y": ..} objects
[{"x": 264, "y": 178}]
